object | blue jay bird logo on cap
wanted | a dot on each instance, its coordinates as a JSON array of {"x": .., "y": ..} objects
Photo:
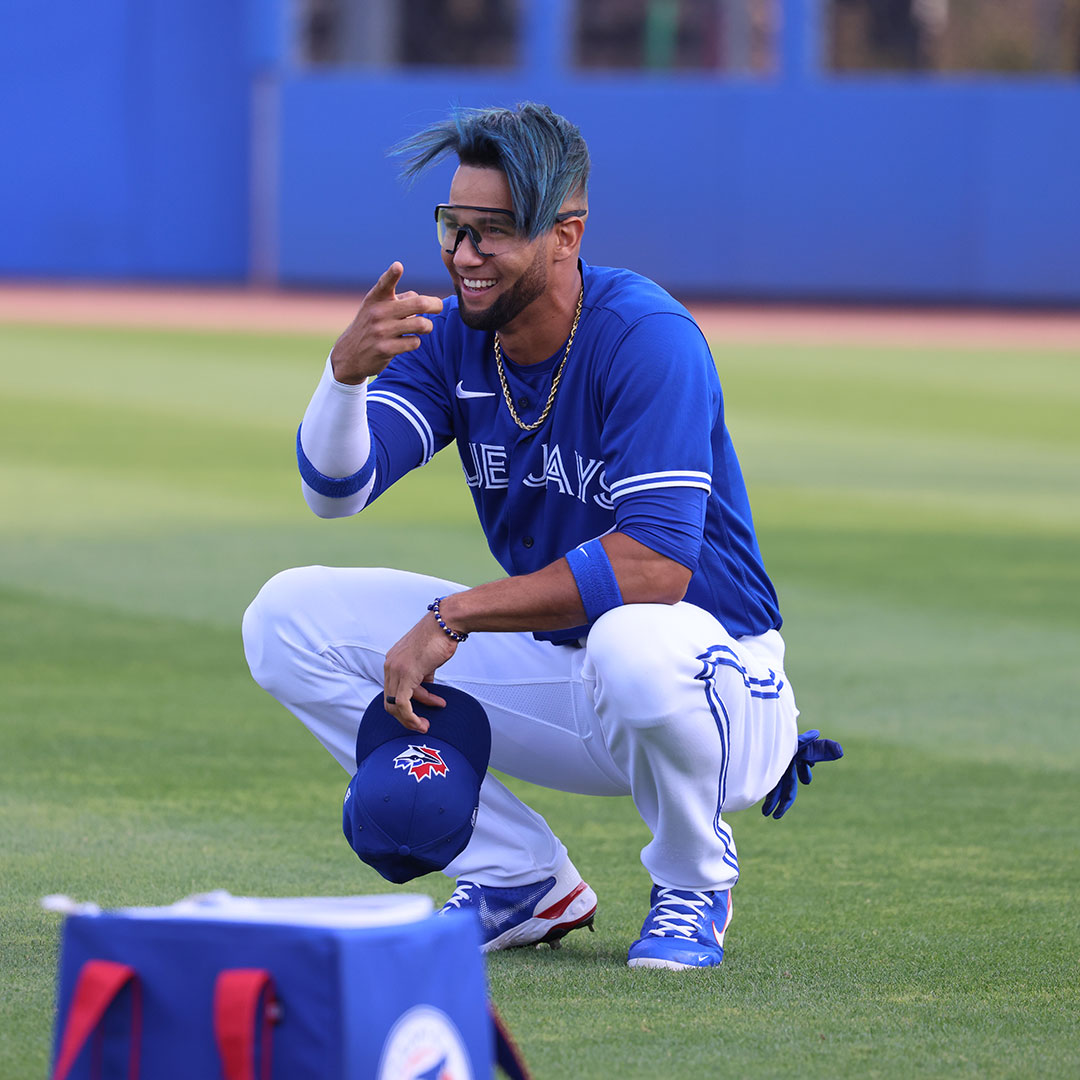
[{"x": 421, "y": 762}]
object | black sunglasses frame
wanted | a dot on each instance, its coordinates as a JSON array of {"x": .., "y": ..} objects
[{"x": 474, "y": 236}]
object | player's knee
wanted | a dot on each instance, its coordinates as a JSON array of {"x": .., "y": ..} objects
[
  {"x": 263, "y": 629},
  {"x": 636, "y": 662}
]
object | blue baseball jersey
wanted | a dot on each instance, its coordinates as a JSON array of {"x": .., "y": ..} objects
[{"x": 635, "y": 442}]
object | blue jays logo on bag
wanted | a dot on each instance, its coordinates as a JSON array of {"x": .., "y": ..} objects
[
  {"x": 421, "y": 762},
  {"x": 424, "y": 1044}
]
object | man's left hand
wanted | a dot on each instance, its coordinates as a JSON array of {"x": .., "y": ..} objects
[
  {"x": 411, "y": 662},
  {"x": 811, "y": 749}
]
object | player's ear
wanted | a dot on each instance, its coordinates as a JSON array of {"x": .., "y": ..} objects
[{"x": 568, "y": 235}]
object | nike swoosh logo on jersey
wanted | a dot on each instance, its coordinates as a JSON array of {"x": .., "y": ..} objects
[{"x": 463, "y": 393}]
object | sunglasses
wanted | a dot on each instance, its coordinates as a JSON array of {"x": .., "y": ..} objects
[{"x": 492, "y": 230}]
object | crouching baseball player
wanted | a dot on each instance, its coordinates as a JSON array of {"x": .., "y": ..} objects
[{"x": 634, "y": 647}]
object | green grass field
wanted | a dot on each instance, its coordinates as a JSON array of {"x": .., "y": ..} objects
[{"x": 914, "y": 915}]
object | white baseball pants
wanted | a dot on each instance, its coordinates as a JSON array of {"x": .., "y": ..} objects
[{"x": 661, "y": 704}]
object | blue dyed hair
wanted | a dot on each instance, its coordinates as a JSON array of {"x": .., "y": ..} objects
[{"x": 543, "y": 155}]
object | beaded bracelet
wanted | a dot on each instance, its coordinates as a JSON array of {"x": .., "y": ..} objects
[{"x": 433, "y": 607}]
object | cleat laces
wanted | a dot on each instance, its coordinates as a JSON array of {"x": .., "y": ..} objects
[
  {"x": 671, "y": 921},
  {"x": 460, "y": 895}
]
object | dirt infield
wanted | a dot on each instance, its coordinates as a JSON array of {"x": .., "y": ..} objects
[{"x": 283, "y": 312}]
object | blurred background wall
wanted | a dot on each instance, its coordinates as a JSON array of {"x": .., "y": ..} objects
[
  {"x": 920, "y": 150},
  {"x": 125, "y": 138}
]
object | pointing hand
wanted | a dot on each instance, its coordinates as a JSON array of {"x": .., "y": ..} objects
[{"x": 386, "y": 324}]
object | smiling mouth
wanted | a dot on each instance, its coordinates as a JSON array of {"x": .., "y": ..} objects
[{"x": 476, "y": 286}]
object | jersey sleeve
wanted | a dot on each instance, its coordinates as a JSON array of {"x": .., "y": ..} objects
[
  {"x": 409, "y": 410},
  {"x": 406, "y": 413},
  {"x": 661, "y": 401}
]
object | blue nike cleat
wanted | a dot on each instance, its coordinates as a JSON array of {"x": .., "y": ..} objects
[
  {"x": 684, "y": 929},
  {"x": 544, "y": 911}
]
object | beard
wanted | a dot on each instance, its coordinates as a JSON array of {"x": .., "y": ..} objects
[{"x": 507, "y": 307}]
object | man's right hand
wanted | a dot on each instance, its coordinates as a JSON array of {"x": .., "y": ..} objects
[{"x": 386, "y": 324}]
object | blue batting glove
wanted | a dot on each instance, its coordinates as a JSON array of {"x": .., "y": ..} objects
[{"x": 810, "y": 751}]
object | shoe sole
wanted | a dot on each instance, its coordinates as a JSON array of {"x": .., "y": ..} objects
[
  {"x": 667, "y": 965},
  {"x": 576, "y": 910}
]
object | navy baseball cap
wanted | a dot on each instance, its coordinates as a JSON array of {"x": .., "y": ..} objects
[{"x": 411, "y": 806}]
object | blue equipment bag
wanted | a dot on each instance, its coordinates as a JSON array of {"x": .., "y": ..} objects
[{"x": 268, "y": 991}]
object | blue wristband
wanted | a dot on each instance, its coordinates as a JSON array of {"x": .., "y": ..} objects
[
  {"x": 595, "y": 578},
  {"x": 333, "y": 487}
]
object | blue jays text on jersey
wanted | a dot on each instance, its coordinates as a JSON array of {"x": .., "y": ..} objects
[{"x": 635, "y": 442}]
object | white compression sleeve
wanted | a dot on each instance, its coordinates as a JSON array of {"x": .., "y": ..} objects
[{"x": 336, "y": 440}]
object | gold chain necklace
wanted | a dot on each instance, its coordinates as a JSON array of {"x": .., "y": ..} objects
[{"x": 554, "y": 382}]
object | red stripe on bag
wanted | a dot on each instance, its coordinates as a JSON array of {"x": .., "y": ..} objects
[
  {"x": 97, "y": 987},
  {"x": 237, "y": 994}
]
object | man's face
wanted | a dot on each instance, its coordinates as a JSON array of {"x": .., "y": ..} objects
[{"x": 493, "y": 290}]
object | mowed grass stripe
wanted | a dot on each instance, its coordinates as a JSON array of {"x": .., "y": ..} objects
[
  {"x": 911, "y": 916},
  {"x": 1027, "y": 397},
  {"x": 1026, "y": 580},
  {"x": 209, "y": 454},
  {"x": 260, "y": 380},
  {"x": 210, "y": 575},
  {"x": 127, "y": 439}
]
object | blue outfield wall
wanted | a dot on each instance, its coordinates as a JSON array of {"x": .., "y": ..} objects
[
  {"x": 176, "y": 139},
  {"x": 125, "y": 130},
  {"x": 870, "y": 189}
]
